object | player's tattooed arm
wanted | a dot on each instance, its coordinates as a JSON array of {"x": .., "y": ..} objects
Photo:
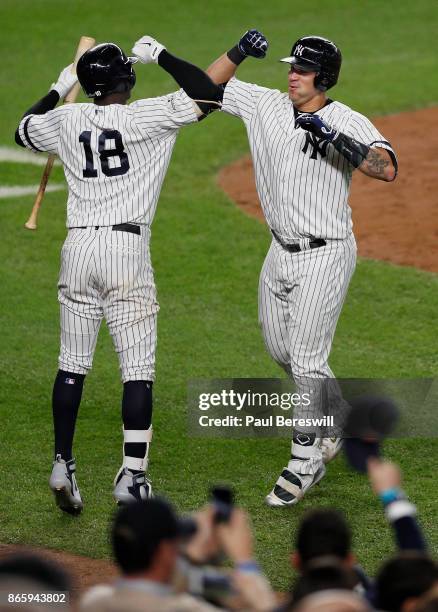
[
  {"x": 372, "y": 161},
  {"x": 253, "y": 43},
  {"x": 379, "y": 164}
]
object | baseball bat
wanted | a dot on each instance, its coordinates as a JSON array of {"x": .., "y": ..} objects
[{"x": 85, "y": 43}]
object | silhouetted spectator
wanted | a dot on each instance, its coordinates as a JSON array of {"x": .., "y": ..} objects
[
  {"x": 322, "y": 574},
  {"x": 403, "y": 580},
  {"x": 324, "y": 532},
  {"x": 333, "y": 601},
  {"x": 147, "y": 540},
  {"x": 30, "y": 575}
]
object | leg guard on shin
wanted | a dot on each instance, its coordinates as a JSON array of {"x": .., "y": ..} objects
[{"x": 306, "y": 455}]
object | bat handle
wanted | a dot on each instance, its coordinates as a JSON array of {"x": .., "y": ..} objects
[{"x": 31, "y": 223}]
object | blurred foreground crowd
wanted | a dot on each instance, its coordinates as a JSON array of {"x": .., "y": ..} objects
[{"x": 206, "y": 562}]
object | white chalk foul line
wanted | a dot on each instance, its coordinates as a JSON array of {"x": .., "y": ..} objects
[
  {"x": 18, "y": 156},
  {"x": 14, "y": 191}
]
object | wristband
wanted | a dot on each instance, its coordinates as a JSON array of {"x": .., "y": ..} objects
[
  {"x": 398, "y": 509},
  {"x": 248, "y": 567},
  {"x": 235, "y": 55},
  {"x": 391, "y": 495}
]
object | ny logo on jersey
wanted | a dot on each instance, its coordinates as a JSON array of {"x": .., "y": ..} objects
[
  {"x": 318, "y": 146},
  {"x": 299, "y": 50}
]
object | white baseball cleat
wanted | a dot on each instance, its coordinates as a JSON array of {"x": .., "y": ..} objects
[
  {"x": 291, "y": 487},
  {"x": 330, "y": 447},
  {"x": 64, "y": 486},
  {"x": 130, "y": 487}
]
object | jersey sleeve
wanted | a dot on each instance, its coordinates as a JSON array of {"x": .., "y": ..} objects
[
  {"x": 240, "y": 98},
  {"x": 361, "y": 129},
  {"x": 165, "y": 112},
  {"x": 41, "y": 132}
]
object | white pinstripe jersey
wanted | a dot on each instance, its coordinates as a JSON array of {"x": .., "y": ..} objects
[
  {"x": 115, "y": 157},
  {"x": 303, "y": 183}
]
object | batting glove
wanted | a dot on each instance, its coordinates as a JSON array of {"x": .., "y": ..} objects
[
  {"x": 313, "y": 123},
  {"x": 65, "y": 81},
  {"x": 147, "y": 49},
  {"x": 253, "y": 43}
]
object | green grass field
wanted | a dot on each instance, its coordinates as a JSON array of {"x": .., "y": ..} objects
[{"x": 206, "y": 256}]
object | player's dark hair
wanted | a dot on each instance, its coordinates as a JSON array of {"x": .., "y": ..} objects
[
  {"x": 137, "y": 531},
  {"x": 329, "y": 574},
  {"x": 32, "y": 567},
  {"x": 410, "y": 574},
  {"x": 323, "y": 532}
]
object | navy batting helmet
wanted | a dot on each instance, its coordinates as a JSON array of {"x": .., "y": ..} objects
[
  {"x": 317, "y": 54},
  {"x": 105, "y": 69}
]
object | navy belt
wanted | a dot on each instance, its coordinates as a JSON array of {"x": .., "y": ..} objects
[
  {"x": 121, "y": 227},
  {"x": 295, "y": 248}
]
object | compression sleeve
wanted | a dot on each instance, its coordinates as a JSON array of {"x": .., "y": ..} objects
[
  {"x": 195, "y": 82},
  {"x": 47, "y": 103}
]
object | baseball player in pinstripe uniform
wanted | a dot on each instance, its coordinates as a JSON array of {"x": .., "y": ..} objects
[
  {"x": 305, "y": 147},
  {"x": 115, "y": 157}
]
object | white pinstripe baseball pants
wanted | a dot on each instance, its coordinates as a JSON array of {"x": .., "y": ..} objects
[
  {"x": 108, "y": 273},
  {"x": 300, "y": 300}
]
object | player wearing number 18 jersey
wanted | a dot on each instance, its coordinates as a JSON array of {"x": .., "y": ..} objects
[{"x": 115, "y": 157}]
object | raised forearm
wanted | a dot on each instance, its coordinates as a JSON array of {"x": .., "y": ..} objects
[
  {"x": 408, "y": 534},
  {"x": 66, "y": 80},
  {"x": 378, "y": 164},
  {"x": 222, "y": 70},
  {"x": 253, "y": 43}
]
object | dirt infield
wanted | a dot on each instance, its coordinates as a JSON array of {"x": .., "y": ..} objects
[{"x": 395, "y": 222}]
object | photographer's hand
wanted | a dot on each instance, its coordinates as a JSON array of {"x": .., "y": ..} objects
[
  {"x": 235, "y": 537},
  {"x": 204, "y": 545}
]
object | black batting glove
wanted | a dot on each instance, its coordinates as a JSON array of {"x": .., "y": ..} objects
[
  {"x": 253, "y": 43},
  {"x": 353, "y": 151},
  {"x": 314, "y": 124}
]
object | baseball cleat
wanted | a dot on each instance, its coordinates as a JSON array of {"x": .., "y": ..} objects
[
  {"x": 290, "y": 487},
  {"x": 130, "y": 487},
  {"x": 64, "y": 486},
  {"x": 330, "y": 447}
]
